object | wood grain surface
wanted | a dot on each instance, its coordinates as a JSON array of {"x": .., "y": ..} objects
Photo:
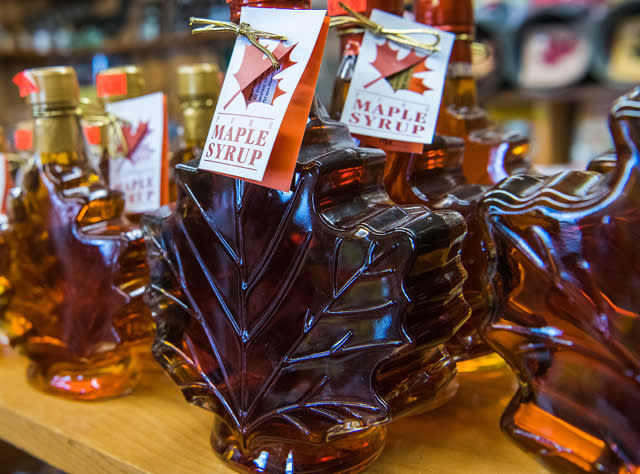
[{"x": 156, "y": 431}]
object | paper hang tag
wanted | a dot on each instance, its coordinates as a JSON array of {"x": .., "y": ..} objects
[
  {"x": 396, "y": 91},
  {"x": 142, "y": 175},
  {"x": 334, "y": 8},
  {"x": 261, "y": 116}
]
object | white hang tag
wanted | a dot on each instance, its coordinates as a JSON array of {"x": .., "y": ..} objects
[
  {"x": 255, "y": 97},
  {"x": 139, "y": 175},
  {"x": 396, "y": 90}
]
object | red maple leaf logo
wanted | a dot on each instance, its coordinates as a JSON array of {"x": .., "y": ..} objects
[
  {"x": 256, "y": 76},
  {"x": 559, "y": 46},
  {"x": 134, "y": 139},
  {"x": 399, "y": 73}
]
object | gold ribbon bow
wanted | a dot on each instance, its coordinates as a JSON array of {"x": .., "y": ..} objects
[
  {"x": 243, "y": 29},
  {"x": 361, "y": 23}
]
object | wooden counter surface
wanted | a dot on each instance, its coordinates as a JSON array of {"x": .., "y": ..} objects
[{"x": 156, "y": 431}]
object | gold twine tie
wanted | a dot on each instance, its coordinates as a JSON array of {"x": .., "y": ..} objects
[
  {"x": 243, "y": 29},
  {"x": 360, "y": 23}
]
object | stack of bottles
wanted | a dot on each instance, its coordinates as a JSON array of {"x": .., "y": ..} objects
[{"x": 308, "y": 319}]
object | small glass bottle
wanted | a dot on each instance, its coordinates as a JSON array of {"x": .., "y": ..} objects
[
  {"x": 490, "y": 155},
  {"x": 350, "y": 49},
  {"x": 198, "y": 88},
  {"x": 304, "y": 319},
  {"x": 567, "y": 290},
  {"x": 120, "y": 84},
  {"x": 77, "y": 269},
  {"x": 113, "y": 85}
]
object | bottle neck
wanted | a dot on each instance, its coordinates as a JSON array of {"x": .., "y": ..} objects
[
  {"x": 235, "y": 6},
  {"x": 460, "y": 85},
  {"x": 454, "y": 16},
  {"x": 57, "y": 137},
  {"x": 196, "y": 120}
]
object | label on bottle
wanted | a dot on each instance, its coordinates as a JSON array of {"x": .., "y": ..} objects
[
  {"x": 396, "y": 90},
  {"x": 261, "y": 116},
  {"x": 334, "y": 8},
  {"x": 141, "y": 174}
]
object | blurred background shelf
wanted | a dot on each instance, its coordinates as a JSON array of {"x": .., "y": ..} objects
[
  {"x": 158, "y": 46},
  {"x": 156, "y": 431},
  {"x": 567, "y": 125}
]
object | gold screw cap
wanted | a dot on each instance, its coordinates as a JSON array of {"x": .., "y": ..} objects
[
  {"x": 49, "y": 86},
  {"x": 120, "y": 83},
  {"x": 198, "y": 81}
]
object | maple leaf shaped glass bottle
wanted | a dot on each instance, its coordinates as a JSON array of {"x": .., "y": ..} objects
[
  {"x": 77, "y": 270},
  {"x": 198, "y": 88},
  {"x": 350, "y": 47},
  {"x": 435, "y": 178},
  {"x": 567, "y": 284},
  {"x": 490, "y": 155},
  {"x": 305, "y": 318}
]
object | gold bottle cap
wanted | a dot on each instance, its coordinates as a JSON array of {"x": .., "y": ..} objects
[
  {"x": 198, "y": 81},
  {"x": 55, "y": 87},
  {"x": 120, "y": 83}
]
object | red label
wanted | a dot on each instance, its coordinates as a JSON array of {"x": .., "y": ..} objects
[
  {"x": 111, "y": 84},
  {"x": 334, "y": 9},
  {"x": 23, "y": 139},
  {"x": 25, "y": 83},
  {"x": 94, "y": 137}
]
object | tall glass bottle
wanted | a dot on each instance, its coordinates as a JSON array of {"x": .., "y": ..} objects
[
  {"x": 305, "y": 318},
  {"x": 490, "y": 155},
  {"x": 77, "y": 270},
  {"x": 198, "y": 90},
  {"x": 350, "y": 49},
  {"x": 567, "y": 318}
]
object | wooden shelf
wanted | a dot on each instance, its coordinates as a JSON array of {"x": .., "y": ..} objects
[{"x": 156, "y": 431}]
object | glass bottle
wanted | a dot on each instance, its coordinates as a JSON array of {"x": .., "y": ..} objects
[
  {"x": 123, "y": 83},
  {"x": 114, "y": 85},
  {"x": 567, "y": 286},
  {"x": 303, "y": 319},
  {"x": 77, "y": 268},
  {"x": 350, "y": 48},
  {"x": 490, "y": 155},
  {"x": 435, "y": 178},
  {"x": 198, "y": 88}
]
